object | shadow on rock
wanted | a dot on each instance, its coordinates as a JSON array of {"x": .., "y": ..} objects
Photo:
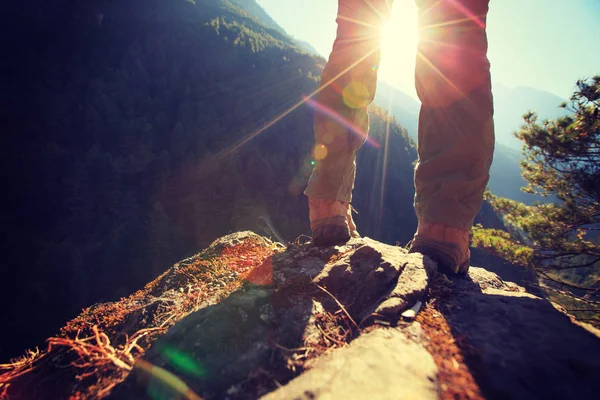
[
  {"x": 291, "y": 309},
  {"x": 519, "y": 346}
]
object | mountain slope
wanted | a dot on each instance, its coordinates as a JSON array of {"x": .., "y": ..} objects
[
  {"x": 133, "y": 130},
  {"x": 402, "y": 106},
  {"x": 506, "y": 179},
  {"x": 511, "y": 104},
  {"x": 255, "y": 11}
]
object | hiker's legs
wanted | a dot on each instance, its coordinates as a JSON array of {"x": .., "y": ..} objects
[
  {"x": 347, "y": 88},
  {"x": 341, "y": 120},
  {"x": 456, "y": 132}
]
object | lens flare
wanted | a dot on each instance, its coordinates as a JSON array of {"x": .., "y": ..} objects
[
  {"x": 320, "y": 152},
  {"x": 182, "y": 361},
  {"x": 356, "y": 95},
  {"x": 163, "y": 384}
]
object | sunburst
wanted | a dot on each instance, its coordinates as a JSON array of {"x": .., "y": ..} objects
[{"x": 399, "y": 45}]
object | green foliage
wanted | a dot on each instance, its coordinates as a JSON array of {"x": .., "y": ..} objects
[
  {"x": 562, "y": 159},
  {"x": 502, "y": 244}
]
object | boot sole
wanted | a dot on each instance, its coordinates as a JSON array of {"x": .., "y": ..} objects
[{"x": 442, "y": 254}]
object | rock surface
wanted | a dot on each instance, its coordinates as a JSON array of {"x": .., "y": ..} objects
[
  {"x": 326, "y": 323},
  {"x": 527, "y": 349},
  {"x": 248, "y": 319},
  {"x": 383, "y": 361},
  {"x": 311, "y": 291}
]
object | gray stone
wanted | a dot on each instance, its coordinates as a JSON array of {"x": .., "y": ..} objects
[
  {"x": 485, "y": 279},
  {"x": 411, "y": 285},
  {"x": 381, "y": 365},
  {"x": 525, "y": 348},
  {"x": 376, "y": 277}
]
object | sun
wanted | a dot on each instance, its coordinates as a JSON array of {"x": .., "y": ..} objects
[{"x": 399, "y": 46}]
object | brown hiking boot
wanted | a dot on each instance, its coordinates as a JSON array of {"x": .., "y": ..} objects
[
  {"x": 447, "y": 246},
  {"x": 331, "y": 222}
]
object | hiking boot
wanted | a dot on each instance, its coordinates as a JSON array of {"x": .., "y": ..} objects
[
  {"x": 331, "y": 222},
  {"x": 447, "y": 246}
]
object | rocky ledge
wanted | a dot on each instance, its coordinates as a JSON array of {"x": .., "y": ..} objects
[{"x": 361, "y": 321}]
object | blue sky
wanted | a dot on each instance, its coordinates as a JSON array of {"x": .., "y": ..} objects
[{"x": 545, "y": 44}]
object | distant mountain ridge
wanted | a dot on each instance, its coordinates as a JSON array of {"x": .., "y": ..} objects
[
  {"x": 509, "y": 107},
  {"x": 511, "y": 103}
]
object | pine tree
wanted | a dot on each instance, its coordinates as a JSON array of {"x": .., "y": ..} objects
[{"x": 559, "y": 239}]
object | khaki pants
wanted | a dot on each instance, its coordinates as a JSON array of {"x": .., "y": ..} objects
[{"x": 456, "y": 132}]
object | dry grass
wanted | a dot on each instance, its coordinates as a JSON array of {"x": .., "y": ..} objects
[
  {"x": 332, "y": 331},
  {"x": 17, "y": 368},
  {"x": 456, "y": 380},
  {"x": 96, "y": 350},
  {"x": 449, "y": 353}
]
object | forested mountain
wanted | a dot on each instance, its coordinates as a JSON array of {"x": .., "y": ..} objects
[
  {"x": 125, "y": 136},
  {"x": 505, "y": 175},
  {"x": 400, "y": 105}
]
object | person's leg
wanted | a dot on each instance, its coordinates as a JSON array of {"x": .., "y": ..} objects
[
  {"x": 341, "y": 119},
  {"x": 456, "y": 131}
]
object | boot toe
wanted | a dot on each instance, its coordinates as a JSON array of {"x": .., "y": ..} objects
[
  {"x": 446, "y": 259},
  {"x": 330, "y": 235}
]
